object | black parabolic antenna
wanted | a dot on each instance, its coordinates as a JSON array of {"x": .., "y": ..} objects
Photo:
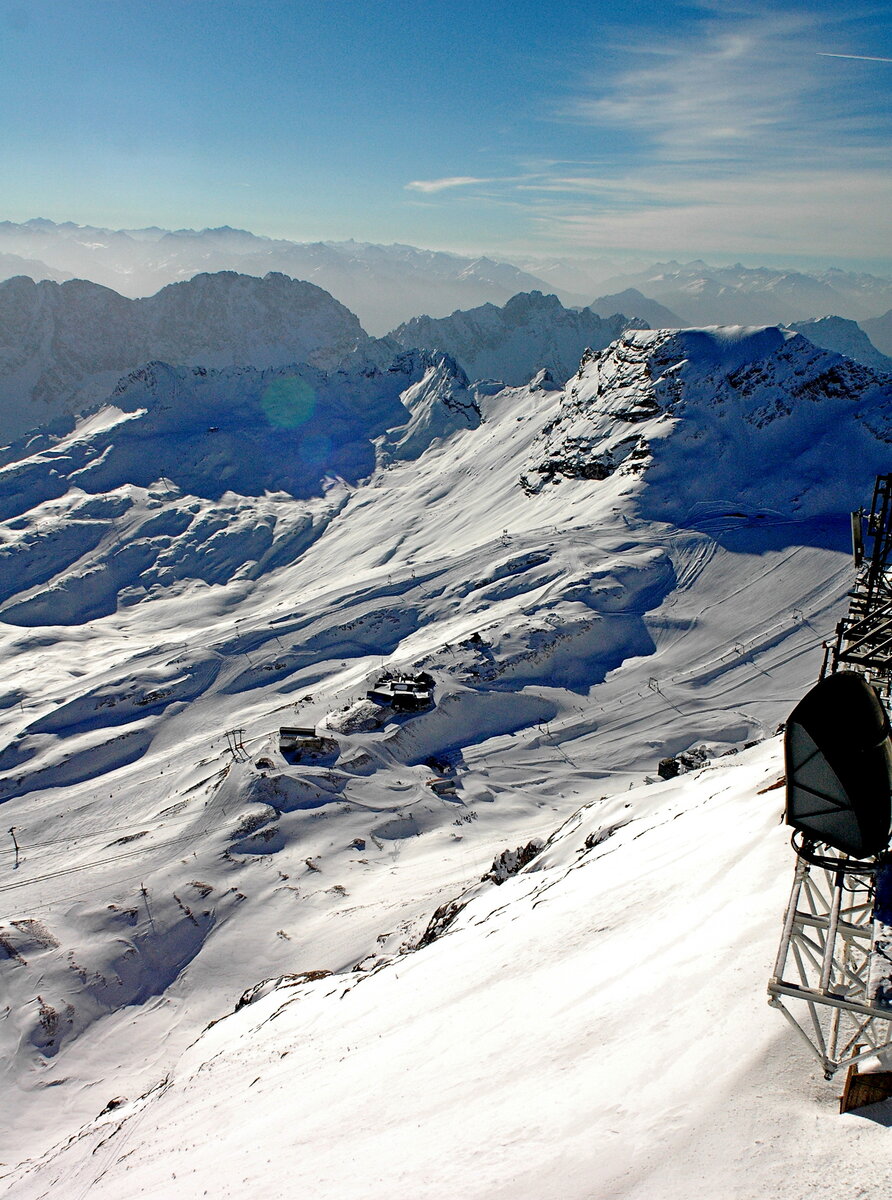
[{"x": 838, "y": 756}]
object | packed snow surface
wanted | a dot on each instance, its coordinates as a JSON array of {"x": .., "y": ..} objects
[
  {"x": 642, "y": 563},
  {"x": 595, "y": 1026}
]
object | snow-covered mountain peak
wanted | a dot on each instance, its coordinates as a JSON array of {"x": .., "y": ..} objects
[
  {"x": 529, "y": 333},
  {"x": 744, "y": 415},
  {"x": 62, "y": 346}
]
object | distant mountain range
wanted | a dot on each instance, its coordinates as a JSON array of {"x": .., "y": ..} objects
[
  {"x": 705, "y": 295},
  {"x": 62, "y": 346},
  {"x": 65, "y": 346},
  {"x": 384, "y": 285},
  {"x": 388, "y": 285}
]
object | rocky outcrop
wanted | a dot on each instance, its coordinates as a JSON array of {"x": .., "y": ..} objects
[
  {"x": 63, "y": 346},
  {"x": 530, "y": 333},
  {"x": 845, "y": 337}
]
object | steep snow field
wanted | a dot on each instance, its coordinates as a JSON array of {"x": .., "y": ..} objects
[
  {"x": 595, "y": 1026},
  {"x": 594, "y": 578}
]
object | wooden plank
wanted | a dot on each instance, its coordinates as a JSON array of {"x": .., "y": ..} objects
[{"x": 860, "y": 1090}]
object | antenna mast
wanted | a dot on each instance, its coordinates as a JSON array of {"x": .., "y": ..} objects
[{"x": 832, "y": 978}]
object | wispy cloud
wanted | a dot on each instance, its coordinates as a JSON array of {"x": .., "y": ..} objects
[
  {"x": 845, "y": 215},
  {"x": 441, "y": 185},
  {"x": 740, "y": 87},
  {"x": 736, "y": 136}
]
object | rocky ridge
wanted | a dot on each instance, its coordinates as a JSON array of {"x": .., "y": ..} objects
[
  {"x": 531, "y": 332},
  {"x": 63, "y": 346}
]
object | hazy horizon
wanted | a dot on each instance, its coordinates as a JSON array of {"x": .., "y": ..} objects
[
  {"x": 606, "y": 264},
  {"x": 625, "y": 131}
]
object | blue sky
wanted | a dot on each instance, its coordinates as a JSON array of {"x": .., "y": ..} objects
[{"x": 728, "y": 130}]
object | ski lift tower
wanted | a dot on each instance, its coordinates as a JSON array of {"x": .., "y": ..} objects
[{"x": 832, "y": 978}]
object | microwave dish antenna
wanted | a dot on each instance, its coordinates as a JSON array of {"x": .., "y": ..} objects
[{"x": 832, "y": 978}]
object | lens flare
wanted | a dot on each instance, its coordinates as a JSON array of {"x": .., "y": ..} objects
[{"x": 288, "y": 402}]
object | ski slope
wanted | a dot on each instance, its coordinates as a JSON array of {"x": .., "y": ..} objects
[
  {"x": 577, "y": 632},
  {"x": 596, "y": 1025}
]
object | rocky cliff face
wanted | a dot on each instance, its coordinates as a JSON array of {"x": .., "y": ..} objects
[
  {"x": 845, "y": 337},
  {"x": 63, "y": 346},
  {"x": 512, "y": 343}
]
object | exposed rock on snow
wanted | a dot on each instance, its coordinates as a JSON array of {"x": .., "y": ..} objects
[
  {"x": 62, "y": 347},
  {"x": 844, "y": 337},
  {"x": 509, "y": 862},
  {"x": 530, "y": 333},
  {"x": 769, "y": 407}
]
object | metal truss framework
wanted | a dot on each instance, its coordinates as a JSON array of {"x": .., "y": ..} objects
[
  {"x": 235, "y": 744},
  {"x": 864, "y": 637},
  {"x": 823, "y": 967},
  {"x": 833, "y": 966}
]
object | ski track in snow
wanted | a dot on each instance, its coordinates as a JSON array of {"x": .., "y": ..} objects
[{"x": 575, "y": 639}]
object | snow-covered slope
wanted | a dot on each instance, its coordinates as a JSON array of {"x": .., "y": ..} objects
[
  {"x": 62, "y": 347},
  {"x": 595, "y": 1026},
  {"x": 383, "y": 284},
  {"x": 583, "y": 607},
  {"x": 511, "y": 344},
  {"x": 845, "y": 337}
]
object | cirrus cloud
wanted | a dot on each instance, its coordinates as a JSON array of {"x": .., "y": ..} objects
[{"x": 441, "y": 185}]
